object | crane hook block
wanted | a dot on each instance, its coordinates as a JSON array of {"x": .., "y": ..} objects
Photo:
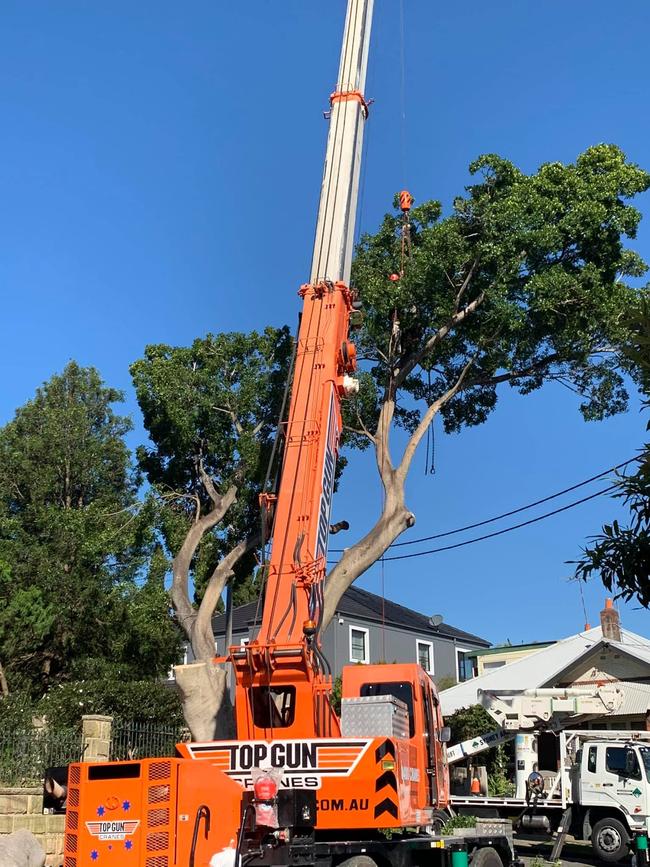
[{"x": 405, "y": 201}]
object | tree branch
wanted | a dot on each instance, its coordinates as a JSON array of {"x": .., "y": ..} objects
[
  {"x": 425, "y": 421},
  {"x": 4, "y": 686},
  {"x": 185, "y": 612},
  {"x": 203, "y": 636},
  {"x": 416, "y": 357}
]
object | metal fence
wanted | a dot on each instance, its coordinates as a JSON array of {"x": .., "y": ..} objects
[
  {"x": 26, "y": 753},
  {"x": 137, "y": 740}
]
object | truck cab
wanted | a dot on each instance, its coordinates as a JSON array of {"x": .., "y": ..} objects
[{"x": 611, "y": 782}]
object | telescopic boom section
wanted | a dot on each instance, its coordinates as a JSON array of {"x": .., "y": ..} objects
[{"x": 282, "y": 677}]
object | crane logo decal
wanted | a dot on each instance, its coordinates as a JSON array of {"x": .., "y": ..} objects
[
  {"x": 304, "y": 763},
  {"x": 116, "y": 830},
  {"x": 329, "y": 469}
]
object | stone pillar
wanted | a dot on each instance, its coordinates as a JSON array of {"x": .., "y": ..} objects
[{"x": 96, "y": 737}]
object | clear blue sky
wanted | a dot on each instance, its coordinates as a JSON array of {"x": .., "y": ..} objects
[{"x": 159, "y": 173}]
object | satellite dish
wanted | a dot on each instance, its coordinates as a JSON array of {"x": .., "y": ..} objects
[{"x": 435, "y": 620}]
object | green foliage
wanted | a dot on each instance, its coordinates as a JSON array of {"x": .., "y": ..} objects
[
  {"x": 137, "y": 701},
  {"x": 536, "y": 267},
  {"x": 212, "y": 407},
  {"x": 337, "y": 688},
  {"x": 469, "y": 722},
  {"x": 621, "y": 554},
  {"x": 459, "y": 821},
  {"x": 77, "y": 541}
]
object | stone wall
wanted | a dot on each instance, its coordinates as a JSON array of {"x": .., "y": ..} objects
[{"x": 22, "y": 807}]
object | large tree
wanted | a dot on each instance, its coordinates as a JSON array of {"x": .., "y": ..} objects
[
  {"x": 523, "y": 283},
  {"x": 75, "y": 601},
  {"x": 212, "y": 412},
  {"x": 620, "y": 554}
]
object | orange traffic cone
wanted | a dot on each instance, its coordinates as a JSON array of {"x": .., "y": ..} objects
[{"x": 475, "y": 786}]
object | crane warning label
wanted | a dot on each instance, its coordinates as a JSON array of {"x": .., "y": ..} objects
[{"x": 303, "y": 762}]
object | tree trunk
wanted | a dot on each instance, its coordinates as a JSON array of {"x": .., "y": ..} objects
[
  {"x": 207, "y": 707},
  {"x": 4, "y": 686},
  {"x": 394, "y": 519}
]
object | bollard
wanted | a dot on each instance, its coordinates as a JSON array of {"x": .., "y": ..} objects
[{"x": 641, "y": 850}]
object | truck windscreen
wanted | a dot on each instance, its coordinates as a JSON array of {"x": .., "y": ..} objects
[{"x": 645, "y": 756}]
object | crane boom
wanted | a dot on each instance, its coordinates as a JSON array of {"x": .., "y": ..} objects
[{"x": 283, "y": 669}]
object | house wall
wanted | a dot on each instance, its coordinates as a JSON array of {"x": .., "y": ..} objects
[
  {"x": 490, "y": 661},
  {"x": 385, "y": 644},
  {"x": 605, "y": 664}
]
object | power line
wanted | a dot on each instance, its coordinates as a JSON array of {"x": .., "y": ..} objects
[
  {"x": 500, "y": 532},
  {"x": 505, "y": 514}
]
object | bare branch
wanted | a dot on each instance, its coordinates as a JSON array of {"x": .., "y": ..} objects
[
  {"x": 181, "y": 563},
  {"x": 466, "y": 282},
  {"x": 4, "y": 686},
  {"x": 203, "y": 636},
  {"x": 208, "y": 484},
  {"x": 425, "y": 421},
  {"x": 416, "y": 357}
]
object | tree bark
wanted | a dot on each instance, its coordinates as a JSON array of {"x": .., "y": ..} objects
[{"x": 4, "y": 686}]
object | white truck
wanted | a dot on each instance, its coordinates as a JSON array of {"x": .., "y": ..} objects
[
  {"x": 601, "y": 788},
  {"x": 600, "y": 793}
]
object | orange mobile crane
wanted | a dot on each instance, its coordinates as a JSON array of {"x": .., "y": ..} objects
[{"x": 298, "y": 785}]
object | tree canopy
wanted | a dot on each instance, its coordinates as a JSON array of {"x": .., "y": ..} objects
[
  {"x": 620, "y": 554},
  {"x": 524, "y": 282},
  {"x": 77, "y": 600}
]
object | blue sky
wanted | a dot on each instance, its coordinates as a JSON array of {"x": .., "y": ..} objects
[{"x": 159, "y": 174}]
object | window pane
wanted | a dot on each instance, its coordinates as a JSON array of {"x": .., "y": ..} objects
[
  {"x": 591, "y": 761},
  {"x": 622, "y": 761},
  {"x": 358, "y": 645},
  {"x": 424, "y": 656}
]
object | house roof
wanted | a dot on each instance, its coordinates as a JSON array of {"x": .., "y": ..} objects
[
  {"x": 363, "y": 604},
  {"x": 543, "y": 667},
  {"x": 511, "y": 648}
]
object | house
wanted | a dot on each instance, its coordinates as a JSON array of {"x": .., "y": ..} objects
[
  {"x": 502, "y": 654},
  {"x": 607, "y": 653},
  {"x": 367, "y": 628}
]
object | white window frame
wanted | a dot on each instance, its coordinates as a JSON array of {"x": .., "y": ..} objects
[
  {"x": 366, "y": 643},
  {"x": 461, "y": 650},
  {"x": 429, "y": 644}
]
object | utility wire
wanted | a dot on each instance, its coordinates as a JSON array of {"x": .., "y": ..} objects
[
  {"x": 499, "y": 532},
  {"x": 505, "y": 514}
]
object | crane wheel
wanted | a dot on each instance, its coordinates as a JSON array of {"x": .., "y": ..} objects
[
  {"x": 486, "y": 857},
  {"x": 358, "y": 861}
]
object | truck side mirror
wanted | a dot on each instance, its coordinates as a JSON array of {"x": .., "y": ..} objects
[{"x": 444, "y": 735}]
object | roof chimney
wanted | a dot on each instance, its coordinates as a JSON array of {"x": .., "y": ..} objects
[{"x": 610, "y": 622}]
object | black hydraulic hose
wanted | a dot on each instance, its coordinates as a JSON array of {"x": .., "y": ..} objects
[
  {"x": 240, "y": 835},
  {"x": 203, "y": 812}
]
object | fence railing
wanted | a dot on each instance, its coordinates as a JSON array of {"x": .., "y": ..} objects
[
  {"x": 26, "y": 753},
  {"x": 135, "y": 740}
]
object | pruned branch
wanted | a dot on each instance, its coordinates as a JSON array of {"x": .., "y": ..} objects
[
  {"x": 185, "y": 612},
  {"x": 426, "y": 419},
  {"x": 417, "y": 356},
  {"x": 203, "y": 637}
]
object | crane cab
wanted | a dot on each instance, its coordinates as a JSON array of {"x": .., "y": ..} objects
[{"x": 426, "y": 733}]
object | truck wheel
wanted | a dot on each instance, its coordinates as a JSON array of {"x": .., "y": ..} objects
[
  {"x": 358, "y": 861},
  {"x": 610, "y": 840},
  {"x": 486, "y": 857}
]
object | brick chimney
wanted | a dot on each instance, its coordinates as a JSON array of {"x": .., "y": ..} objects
[{"x": 610, "y": 622}]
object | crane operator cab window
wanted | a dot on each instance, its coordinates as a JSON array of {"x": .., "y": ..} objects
[
  {"x": 273, "y": 707},
  {"x": 403, "y": 691}
]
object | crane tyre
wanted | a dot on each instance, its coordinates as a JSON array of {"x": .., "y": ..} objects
[
  {"x": 610, "y": 840},
  {"x": 358, "y": 861},
  {"x": 486, "y": 857}
]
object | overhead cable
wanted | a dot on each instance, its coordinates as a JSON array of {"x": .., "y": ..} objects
[{"x": 505, "y": 514}]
